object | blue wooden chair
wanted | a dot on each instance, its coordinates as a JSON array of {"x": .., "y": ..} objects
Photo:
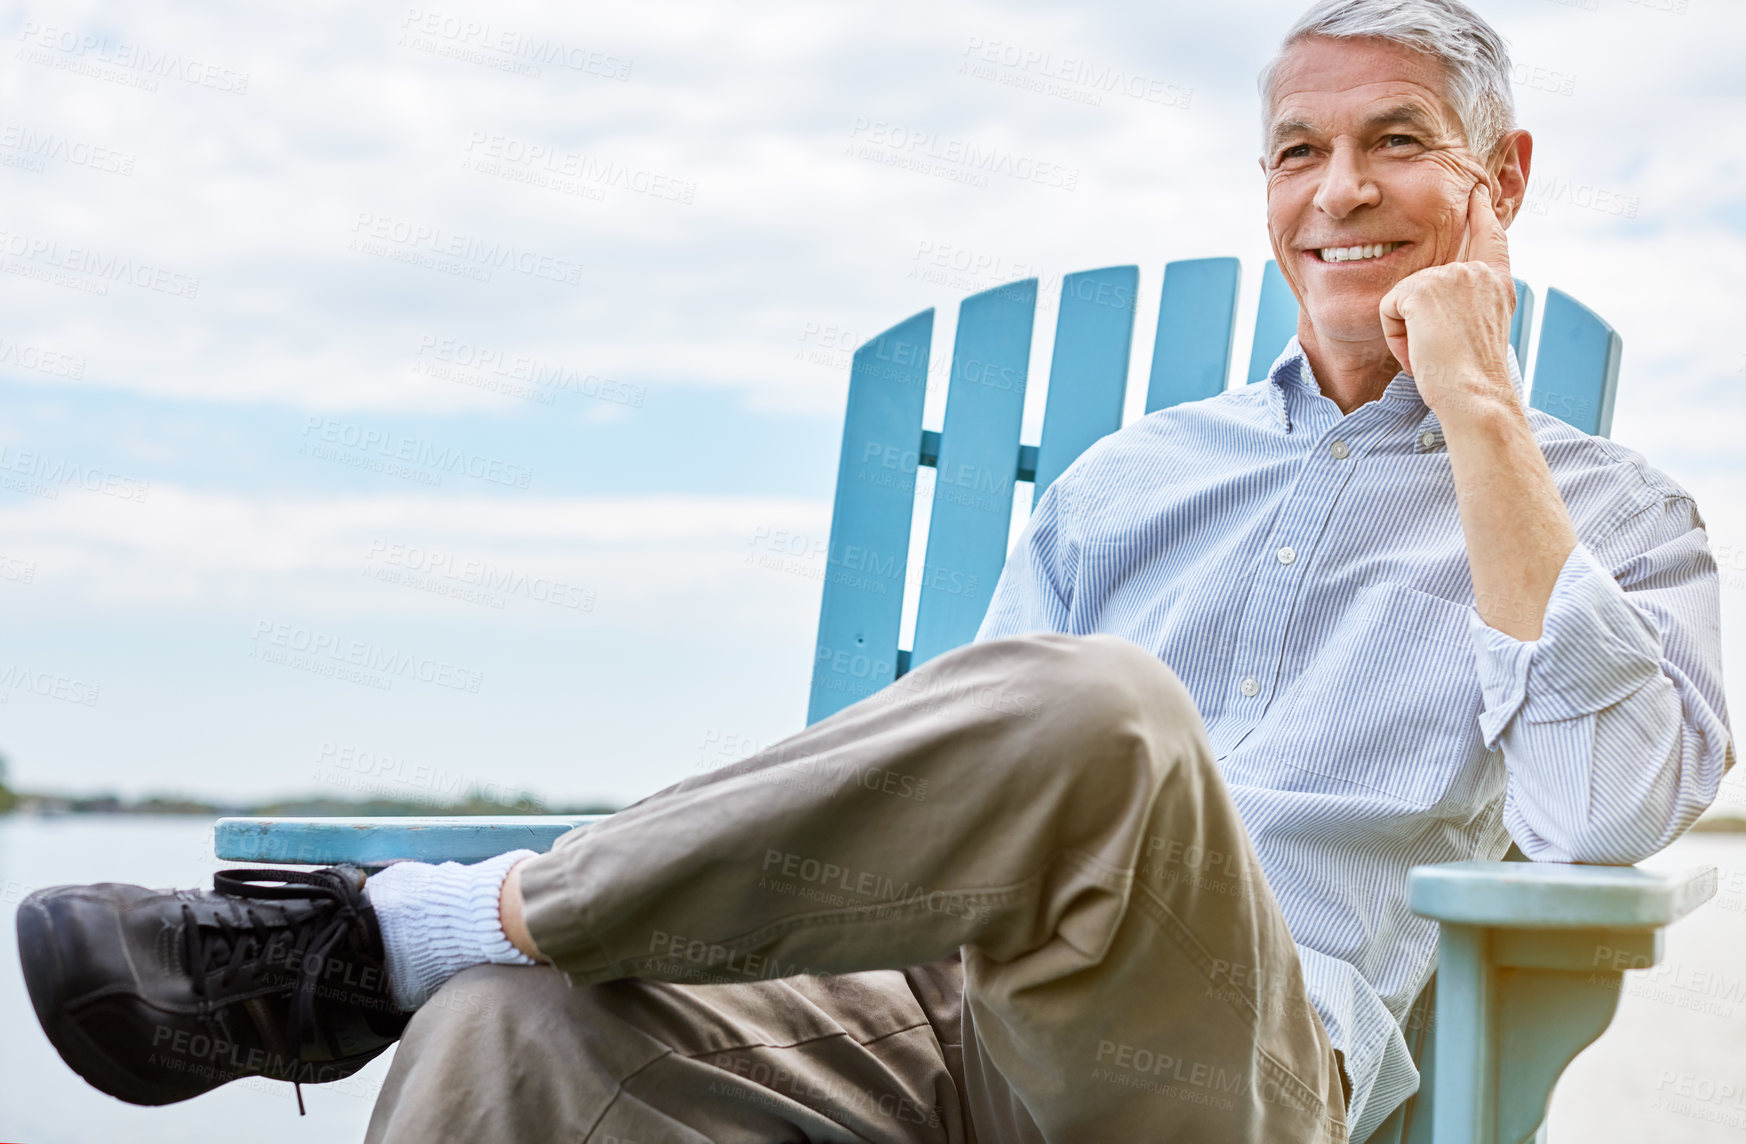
[{"x": 1531, "y": 955}]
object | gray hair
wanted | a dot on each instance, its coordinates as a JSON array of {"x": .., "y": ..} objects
[{"x": 1477, "y": 59}]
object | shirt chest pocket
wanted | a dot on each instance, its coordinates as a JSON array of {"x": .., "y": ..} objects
[{"x": 1389, "y": 704}]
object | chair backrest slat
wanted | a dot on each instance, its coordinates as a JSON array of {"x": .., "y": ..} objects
[
  {"x": 866, "y": 558},
  {"x": 1522, "y": 323},
  {"x": 1275, "y": 321},
  {"x": 979, "y": 446},
  {"x": 1197, "y": 322},
  {"x": 1576, "y": 373},
  {"x": 1088, "y": 370}
]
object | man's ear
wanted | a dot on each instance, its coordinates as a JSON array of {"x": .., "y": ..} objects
[{"x": 1510, "y": 163}]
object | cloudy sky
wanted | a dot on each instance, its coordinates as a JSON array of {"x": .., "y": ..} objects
[{"x": 307, "y": 308}]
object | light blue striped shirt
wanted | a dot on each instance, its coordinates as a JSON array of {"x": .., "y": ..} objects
[{"x": 1304, "y": 572}]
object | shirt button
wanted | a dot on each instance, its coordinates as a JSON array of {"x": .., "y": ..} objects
[
  {"x": 1286, "y": 555},
  {"x": 1339, "y": 450},
  {"x": 1250, "y": 687},
  {"x": 1427, "y": 439}
]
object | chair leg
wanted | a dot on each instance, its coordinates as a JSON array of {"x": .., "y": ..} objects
[{"x": 1514, "y": 1007}]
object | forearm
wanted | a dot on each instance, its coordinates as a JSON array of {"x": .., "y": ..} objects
[{"x": 1517, "y": 528}]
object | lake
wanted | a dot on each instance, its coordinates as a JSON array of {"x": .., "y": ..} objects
[{"x": 1665, "y": 1073}]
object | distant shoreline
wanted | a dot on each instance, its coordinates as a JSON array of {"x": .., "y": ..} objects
[{"x": 33, "y": 805}]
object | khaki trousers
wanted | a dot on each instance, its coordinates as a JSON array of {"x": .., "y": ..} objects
[{"x": 1006, "y": 899}]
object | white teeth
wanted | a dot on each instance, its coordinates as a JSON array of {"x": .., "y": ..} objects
[{"x": 1357, "y": 253}]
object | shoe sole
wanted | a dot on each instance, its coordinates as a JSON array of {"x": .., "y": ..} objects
[{"x": 43, "y": 979}]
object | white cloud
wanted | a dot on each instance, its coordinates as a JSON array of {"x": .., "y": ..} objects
[{"x": 657, "y": 561}]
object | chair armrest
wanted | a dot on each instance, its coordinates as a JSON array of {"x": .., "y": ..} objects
[
  {"x": 378, "y": 841},
  {"x": 1557, "y": 895},
  {"x": 1530, "y": 966}
]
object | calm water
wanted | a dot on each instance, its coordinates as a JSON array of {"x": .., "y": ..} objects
[{"x": 1663, "y": 1074}]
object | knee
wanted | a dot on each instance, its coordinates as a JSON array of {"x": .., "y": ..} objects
[
  {"x": 1097, "y": 702},
  {"x": 1101, "y": 684}
]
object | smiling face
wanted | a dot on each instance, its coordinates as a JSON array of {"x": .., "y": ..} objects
[{"x": 1368, "y": 177}]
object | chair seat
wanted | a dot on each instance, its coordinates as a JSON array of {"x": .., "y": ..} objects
[{"x": 379, "y": 841}]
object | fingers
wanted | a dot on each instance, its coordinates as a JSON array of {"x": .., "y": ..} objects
[
  {"x": 1485, "y": 234},
  {"x": 1394, "y": 327}
]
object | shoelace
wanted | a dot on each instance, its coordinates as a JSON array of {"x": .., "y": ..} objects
[{"x": 255, "y": 945}]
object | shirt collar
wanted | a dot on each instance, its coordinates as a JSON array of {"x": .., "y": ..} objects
[{"x": 1291, "y": 367}]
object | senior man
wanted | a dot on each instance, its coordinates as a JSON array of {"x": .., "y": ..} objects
[{"x": 1131, "y": 866}]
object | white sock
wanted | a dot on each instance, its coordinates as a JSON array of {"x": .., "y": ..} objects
[{"x": 438, "y": 920}]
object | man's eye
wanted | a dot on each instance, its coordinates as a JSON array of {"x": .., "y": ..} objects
[
  {"x": 1404, "y": 140},
  {"x": 1296, "y": 152}
]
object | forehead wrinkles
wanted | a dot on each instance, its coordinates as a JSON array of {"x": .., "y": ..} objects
[{"x": 1333, "y": 112}]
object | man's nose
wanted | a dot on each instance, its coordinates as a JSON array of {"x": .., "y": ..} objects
[{"x": 1346, "y": 183}]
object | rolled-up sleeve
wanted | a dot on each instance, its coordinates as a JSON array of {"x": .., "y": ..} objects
[
  {"x": 1035, "y": 589},
  {"x": 1613, "y": 725}
]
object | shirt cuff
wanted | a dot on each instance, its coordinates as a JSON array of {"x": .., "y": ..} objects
[{"x": 1595, "y": 648}]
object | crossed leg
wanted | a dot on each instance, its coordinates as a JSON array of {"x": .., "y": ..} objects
[{"x": 733, "y": 948}]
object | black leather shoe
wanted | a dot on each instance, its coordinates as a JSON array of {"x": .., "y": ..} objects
[{"x": 155, "y": 996}]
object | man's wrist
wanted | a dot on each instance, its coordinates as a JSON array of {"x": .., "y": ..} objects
[
  {"x": 513, "y": 917},
  {"x": 1478, "y": 403}
]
